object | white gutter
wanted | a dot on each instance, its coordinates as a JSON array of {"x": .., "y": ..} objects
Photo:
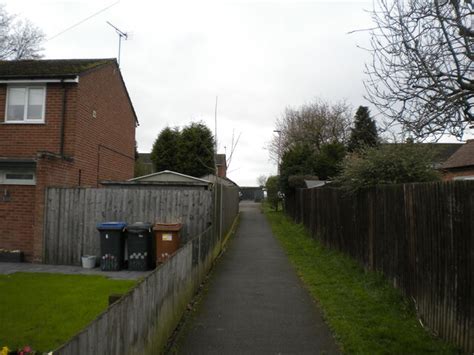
[{"x": 29, "y": 81}]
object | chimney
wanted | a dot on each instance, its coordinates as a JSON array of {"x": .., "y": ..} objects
[{"x": 221, "y": 165}]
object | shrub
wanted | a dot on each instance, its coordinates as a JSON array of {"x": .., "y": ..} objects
[{"x": 387, "y": 164}]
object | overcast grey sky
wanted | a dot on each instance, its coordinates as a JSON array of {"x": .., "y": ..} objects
[{"x": 257, "y": 56}]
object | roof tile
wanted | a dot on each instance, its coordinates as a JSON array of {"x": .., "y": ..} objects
[
  {"x": 50, "y": 68},
  {"x": 464, "y": 156}
]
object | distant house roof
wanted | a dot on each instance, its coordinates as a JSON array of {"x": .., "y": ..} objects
[
  {"x": 463, "y": 157},
  {"x": 54, "y": 69},
  {"x": 441, "y": 151},
  {"x": 50, "y": 68},
  {"x": 311, "y": 184},
  {"x": 145, "y": 158},
  {"x": 222, "y": 180},
  {"x": 170, "y": 176}
]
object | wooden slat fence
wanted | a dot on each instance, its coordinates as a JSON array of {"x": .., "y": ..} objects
[
  {"x": 420, "y": 236},
  {"x": 227, "y": 207},
  {"x": 71, "y": 215},
  {"x": 142, "y": 320}
]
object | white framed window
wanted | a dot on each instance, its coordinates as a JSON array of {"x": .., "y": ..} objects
[
  {"x": 25, "y": 104},
  {"x": 17, "y": 177}
]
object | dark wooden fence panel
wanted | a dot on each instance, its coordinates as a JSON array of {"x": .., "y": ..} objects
[
  {"x": 72, "y": 214},
  {"x": 420, "y": 236}
]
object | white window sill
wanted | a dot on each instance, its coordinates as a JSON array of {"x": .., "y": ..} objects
[{"x": 18, "y": 122}]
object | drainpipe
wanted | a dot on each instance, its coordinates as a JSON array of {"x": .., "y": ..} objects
[{"x": 63, "y": 119}]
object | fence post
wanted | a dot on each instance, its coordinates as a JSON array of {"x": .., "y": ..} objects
[{"x": 371, "y": 227}]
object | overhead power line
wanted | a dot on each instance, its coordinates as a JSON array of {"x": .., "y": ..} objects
[{"x": 82, "y": 21}]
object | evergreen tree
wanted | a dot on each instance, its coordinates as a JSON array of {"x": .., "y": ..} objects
[
  {"x": 327, "y": 164},
  {"x": 298, "y": 160},
  {"x": 164, "y": 153},
  {"x": 273, "y": 187},
  {"x": 364, "y": 133},
  {"x": 196, "y": 150}
]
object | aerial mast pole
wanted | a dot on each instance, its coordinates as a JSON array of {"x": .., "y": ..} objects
[{"x": 121, "y": 35}]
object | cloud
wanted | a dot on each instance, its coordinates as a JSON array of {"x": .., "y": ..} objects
[{"x": 257, "y": 56}]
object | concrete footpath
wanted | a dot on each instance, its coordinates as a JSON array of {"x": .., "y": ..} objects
[
  {"x": 11, "y": 268},
  {"x": 255, "y": 303}
]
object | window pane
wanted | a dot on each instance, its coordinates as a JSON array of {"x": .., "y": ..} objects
[
  {"x": 35, "y": 104},
  {"x": 19, "y": 176},
  {"x": 16, "y": 104}
]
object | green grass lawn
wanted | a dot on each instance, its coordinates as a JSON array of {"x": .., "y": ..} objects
[
  {"x": 366, "y": 314},
  {"x": 45, "y": 310}
]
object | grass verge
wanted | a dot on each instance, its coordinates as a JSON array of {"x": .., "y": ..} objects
[
  {"x": 366, "y": 314},
  {"x": 45, "y": 310}
]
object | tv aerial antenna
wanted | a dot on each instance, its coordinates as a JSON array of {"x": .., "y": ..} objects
[{"x": 121, "y": 35}]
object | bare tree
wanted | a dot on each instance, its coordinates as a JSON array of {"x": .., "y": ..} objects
[
  {"x": 19, "y": 39},
  {"x": 233, "y": 147},
  {"x": 422, "y": 73},
  {"x": 315, "y": 124},
  {"x": 262, "y": 180}
]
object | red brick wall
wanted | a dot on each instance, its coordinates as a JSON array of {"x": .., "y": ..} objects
[
  {"x": 105, "y": 145},
  {"x": 102, "y": 148},
  {"x": 24, "y": 140},
  {"x": 17, "y": 218},
  {"x": 222, "y": 171},
  {"x": 451, "y": 174},
  {"x": 22, "y": 216}
]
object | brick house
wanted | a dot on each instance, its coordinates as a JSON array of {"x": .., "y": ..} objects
[
  {"x": 460, "y": 165},
  {"x": 63, "y": 123}
]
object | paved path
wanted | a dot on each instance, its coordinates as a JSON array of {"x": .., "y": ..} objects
[
  {"x": 10, "y": 268},
  {"x": 256, "y": 304}
]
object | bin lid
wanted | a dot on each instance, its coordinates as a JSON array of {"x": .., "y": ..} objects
[
  {"x": 171, "y": 227},
  {"x": 111, "y": 225},
  {"x": 138, "y": 227}
]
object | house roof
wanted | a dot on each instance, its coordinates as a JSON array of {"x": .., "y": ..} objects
[
  {"x": 440, "y": 151},
  {"x": 311, "y": 184},
  {"x": 463, "y": 157},
  {"x": 41, "y": 69},
  {"x": 49, "y": 68},
  {"x": 145, "y": 158},
  {"x": 170, "y": 176},
  {"x": 222, "y": 180}
]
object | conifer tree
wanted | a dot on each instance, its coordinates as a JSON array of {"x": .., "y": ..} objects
[
  {"x": 196, "y": 150},
  {"x": 164, "y": 153},
  {"x": 364, "y": 133}
]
